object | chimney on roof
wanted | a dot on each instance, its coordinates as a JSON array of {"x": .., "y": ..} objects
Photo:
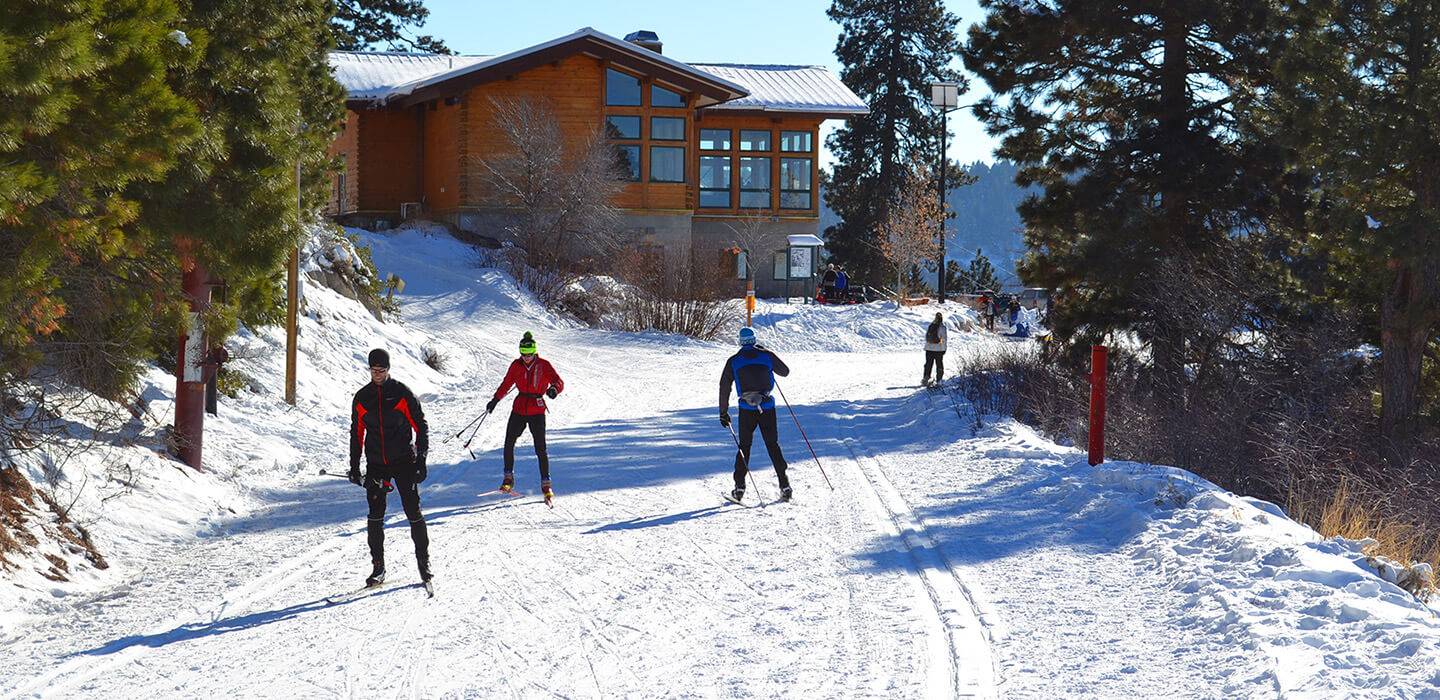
[{"x": 645, "y": 39}]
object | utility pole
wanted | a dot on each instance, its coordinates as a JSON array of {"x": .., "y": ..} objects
[{"x": 292, "y": 295}]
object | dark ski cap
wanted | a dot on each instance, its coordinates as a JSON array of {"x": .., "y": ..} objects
[{"x": 379, "y": 358}]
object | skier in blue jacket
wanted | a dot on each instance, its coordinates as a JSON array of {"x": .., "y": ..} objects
[{"x": 751, "y": 371}]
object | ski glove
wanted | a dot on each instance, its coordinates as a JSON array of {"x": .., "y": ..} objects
[
  {"x": 354, "y": 475},
  {"x": 490, "y": 407},
  {"x": 552, "y": 392},
  {"x": 420, "y": 471},
  {"x": 725, "y": 418}
]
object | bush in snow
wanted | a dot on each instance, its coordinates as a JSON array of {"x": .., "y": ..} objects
[
  {"x": 433, "y": 358},
  {"x": 689, "y": 300}
]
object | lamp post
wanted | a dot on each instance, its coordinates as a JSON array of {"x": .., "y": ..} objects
[{"x": 945, "y": 97}]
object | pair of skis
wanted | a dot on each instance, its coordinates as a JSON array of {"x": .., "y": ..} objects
[
  {"x": 549, "y": 500},
  {"x": 726, "y": 495},
  {"x": 372, "y": 588}
]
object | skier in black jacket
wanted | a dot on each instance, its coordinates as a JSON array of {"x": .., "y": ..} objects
[
  {"x": 752, "y": 372},
  {"x": 383, "y": 417}
]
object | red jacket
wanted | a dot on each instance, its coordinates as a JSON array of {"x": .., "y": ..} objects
[{"x": 531, "y": 382}]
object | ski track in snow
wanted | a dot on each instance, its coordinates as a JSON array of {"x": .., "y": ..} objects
[{"x": 947, "y": 562}]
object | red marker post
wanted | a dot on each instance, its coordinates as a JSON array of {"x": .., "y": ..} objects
[{"x": 1098, "y": 370}]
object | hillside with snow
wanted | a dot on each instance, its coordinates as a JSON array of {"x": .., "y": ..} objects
[{"x": 947, "y": 561}]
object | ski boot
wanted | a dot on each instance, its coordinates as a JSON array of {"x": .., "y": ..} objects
[
  {"x": 549, "y": 495},
  {"x": 425, "y": 574},
  {"x": 785, "y": 494},
  {"x": 737, "y": 495},
  {"x": 508, "y": 484},
  {"x": 377, "y": 576}
]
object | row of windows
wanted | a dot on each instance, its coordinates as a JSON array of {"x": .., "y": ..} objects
[
  {"x": 754, "y": 172},
  {"x": 619, "y": 126},
  {"x": 756, "y": 140}
]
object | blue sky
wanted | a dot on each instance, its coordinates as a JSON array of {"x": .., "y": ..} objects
[{"x": 738, "y": 31}]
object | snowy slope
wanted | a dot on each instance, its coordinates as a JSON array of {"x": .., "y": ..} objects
[{"x": 944, "y": 563}]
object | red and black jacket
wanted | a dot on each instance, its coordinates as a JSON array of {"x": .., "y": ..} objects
[
  {"x": 532, "y": 382},
  {"x": 384, "y": 418}
]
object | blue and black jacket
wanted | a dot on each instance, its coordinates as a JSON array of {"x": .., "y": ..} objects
[{"x": 752, "y": 373}]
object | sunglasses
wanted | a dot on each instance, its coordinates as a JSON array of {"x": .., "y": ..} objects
[{"x": 379, "y": 369}]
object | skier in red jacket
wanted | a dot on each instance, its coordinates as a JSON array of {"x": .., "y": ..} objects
[{"x": 534, "y": 379}]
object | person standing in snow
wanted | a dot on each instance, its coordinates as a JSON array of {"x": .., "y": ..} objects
[
  {"x": 751, "y": 371},
  {"x": 842, "y": 285},
  {"x": 384, "y": 417},
  {"x": 935, "y": 339},
  {"x": 827, "y": 283},
  {"x": 534, "y": 378}
]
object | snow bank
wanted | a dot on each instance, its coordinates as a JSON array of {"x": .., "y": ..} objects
[
  {"x": 140, "y": 505},
  {"x": 877, "y": 326},
  {"x": 1300, "y": 614}
]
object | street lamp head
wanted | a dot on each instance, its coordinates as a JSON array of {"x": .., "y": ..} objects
[{"x": 945, "y": 95}]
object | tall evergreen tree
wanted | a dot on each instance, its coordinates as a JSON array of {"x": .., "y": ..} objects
[
  {"x": 1129, "y": 116},
  {"x": 88, "y": 114},
  {"x": 1366, "y": 75},
  {"x": 890, "y": 52},
  {"x": 364, "y": 24},
  {"x": 262, "y": 83}
]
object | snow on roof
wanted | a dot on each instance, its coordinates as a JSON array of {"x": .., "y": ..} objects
[
  {"x": 371, "y": 75},
  {"x": 787, "y": 88},
  {"x": 385, "y": 75}
]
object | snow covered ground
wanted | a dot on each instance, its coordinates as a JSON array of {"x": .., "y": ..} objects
[{"x": 946, "y": 562}]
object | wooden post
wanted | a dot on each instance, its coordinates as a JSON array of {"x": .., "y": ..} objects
[
  {"x": 189, "y": 372},
  {"x": 292, "y": 310},
  {"x": 1098, "y": 370}
]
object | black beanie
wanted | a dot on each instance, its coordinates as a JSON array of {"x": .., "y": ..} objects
[{"x": 379, "y": 358}]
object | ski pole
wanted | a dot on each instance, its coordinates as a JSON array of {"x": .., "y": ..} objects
[
  {"x": 746, "y": 460},
  {"x": 337, "y": 476},
  {"x": 802, "y": 435},
  {"x": 466, "y": 447},
  {"x": 467, "y": 426}
]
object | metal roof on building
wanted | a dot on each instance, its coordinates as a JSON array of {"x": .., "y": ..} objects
[
  {"x": 787, "y": 89},
  {"x": 380, "y": 76}
]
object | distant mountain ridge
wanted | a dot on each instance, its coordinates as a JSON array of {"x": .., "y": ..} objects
[{"x": 985, "y": 218}]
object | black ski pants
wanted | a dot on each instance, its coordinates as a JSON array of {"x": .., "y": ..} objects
[
  {"x": 517, "y": 425},
  {"x": 765, "y": 420},
  {"x": 936, "y": 358},
  {"x": 409, "y": 498}
]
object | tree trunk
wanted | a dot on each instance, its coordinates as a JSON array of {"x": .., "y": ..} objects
[{"x": 1169, "y": 342}]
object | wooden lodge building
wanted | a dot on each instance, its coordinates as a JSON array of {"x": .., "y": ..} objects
[{"x": 708, "y": 147}]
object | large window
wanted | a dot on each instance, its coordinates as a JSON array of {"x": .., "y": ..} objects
[
  {"x": 667, "y": 128},
  {"x": 660, "y": 97},
  {"x": 628, "y": 159},
  {"x": 754, "y": 140},
  {"x": 715, "y": 182},
  {"x": 794, "y": 183},
  {"x": 667, "y": 164},
  {"x": 714, "y": 139},
  {"x": 622, "y": 127},
  {"x": 796, "y": 142},
  {"x": 755, "y": 183},
  {"x": 621, "y": 89}
]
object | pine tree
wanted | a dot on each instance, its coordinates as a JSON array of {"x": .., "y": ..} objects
[
  {"x": 1129, "y": 116},
  {"x": 363, "y": 24},
  {"x": 88, "y": 115},
  {"x": 982, "y": 274},
  {"x": 262, "y": 82},
  {"x": 1367, "y": 75},
  {"x": 890, "y": 53}
]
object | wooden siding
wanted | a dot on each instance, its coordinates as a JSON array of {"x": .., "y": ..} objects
[
  {"x": 442, "y": 156},
  {"x": 571, "y": 87},
  {"x": 390, "y": 158},
  {"x": 345, "y": 185}
]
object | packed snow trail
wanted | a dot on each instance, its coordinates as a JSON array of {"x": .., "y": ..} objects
[{"x": 948, "y": 561}]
